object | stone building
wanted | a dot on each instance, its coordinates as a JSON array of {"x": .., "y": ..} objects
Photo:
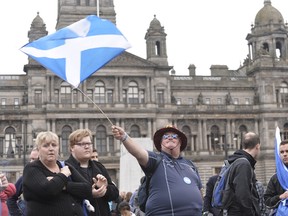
[{"x": 143, "y": 95}]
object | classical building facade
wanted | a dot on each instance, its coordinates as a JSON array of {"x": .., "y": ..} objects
[{"x": 143, "y": 95}]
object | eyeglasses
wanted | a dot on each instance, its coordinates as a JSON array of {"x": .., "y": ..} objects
[
  {"x": 84, "y": 144},
  {"x": 173, "y": 136}
]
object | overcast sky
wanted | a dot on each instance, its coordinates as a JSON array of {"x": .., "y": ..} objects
[{"x": 203, "y": 33}]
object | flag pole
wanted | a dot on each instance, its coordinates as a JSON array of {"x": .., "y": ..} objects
[
  {"x": 97, "y": 3},
  {"x": 96, "y": 106}
]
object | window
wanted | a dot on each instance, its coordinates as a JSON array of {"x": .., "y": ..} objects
[
  {"x": 247, "y": 101},
  {"x": 207, "y": 101},
  {"x": 133, "y": 96},
  {"x": 190, "y": 101},
  {"x": 65, "y": 93},
  {"x": 101, "y": 139},
  {"x": 99, "y": 92},
  {"x": 16, "y": 103},
  {"x": 236, "y": 101},
  {"x": 284, "y": 93},
  {"x": 38, "y": 98},
  {"x": 135, "y": 131},
  {"x": 178, "y": 101},
  {"x": 3, "y": 103},
  {"x": 10, "y": 142}
]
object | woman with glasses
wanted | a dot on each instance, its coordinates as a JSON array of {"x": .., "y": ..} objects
[
  {"x": 175, "y": 187},
  {"x": 50, "y": 188},
  {"x": 103, "y": 189}
]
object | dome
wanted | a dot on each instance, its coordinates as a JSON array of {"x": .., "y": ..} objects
[
  {"x": 268, "y": 15},
  {"x": 155, "y": 24}
]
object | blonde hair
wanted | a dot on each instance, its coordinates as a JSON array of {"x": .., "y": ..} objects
[
  {"x": 78, "y": 135},
  {"x": 46, "y": 136}
]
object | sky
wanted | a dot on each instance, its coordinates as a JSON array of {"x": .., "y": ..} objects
[{"x": 203, "y": 33}]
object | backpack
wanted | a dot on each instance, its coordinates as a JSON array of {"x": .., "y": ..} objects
[
  {"x": 222, "y": 196},
  {"x": 143, "y": 190}
]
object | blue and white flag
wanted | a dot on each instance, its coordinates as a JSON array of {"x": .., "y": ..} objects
[
  {"x": 281, "y": 169},
  {"x": 78, "y": 50}
]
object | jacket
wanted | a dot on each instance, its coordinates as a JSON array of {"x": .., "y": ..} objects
[
  {"x": 243, "y": 183},
  {"x": 4, "y": 195},
  {"x": 101, "y": 204},
  {"x": 58, "y": 196},
  {"x": 273, "y": 191}
]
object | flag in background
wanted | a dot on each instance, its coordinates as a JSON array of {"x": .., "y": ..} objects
[
  {"x": 78, "y": 50},
  {"x": 281, "y": 169}
]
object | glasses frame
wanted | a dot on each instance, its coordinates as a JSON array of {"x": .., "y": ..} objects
[
  {"x": 84, "y": 144},
  {"x": 167, "y": 136}
]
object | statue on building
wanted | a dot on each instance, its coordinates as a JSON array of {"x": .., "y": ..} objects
[
  {"x": 200, "y": 99},
  {"x": 256, "y": 98},
  {"x": 228, "y": 99},
  {"x": 25, "y": 98},
  {"x": 263, "y": 51},
  {"x": 173, "y": 100}
]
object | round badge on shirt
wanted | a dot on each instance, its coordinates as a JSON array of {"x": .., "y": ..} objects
[{"x": 187, "y": 180}]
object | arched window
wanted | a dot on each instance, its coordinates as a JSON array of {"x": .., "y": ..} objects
[
  {"x": 278, "y": 49},
  {"x": 65, "y": 93},
  {"x": 187, "y": 131},
  {"x": 157, "y": 48},
  {"x": 99, "y": 92},
  {"x": 10, "y": 142},
  {"x": 66, "y": 131},
  {"x": 215, "y": 137},
  {"x": 135, "y": 131},
  {"x": 133, "y": 93},
  {"x": 101, "y": 141}
]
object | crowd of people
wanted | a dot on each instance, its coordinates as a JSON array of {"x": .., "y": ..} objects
[{"x": 81, "y": 185}]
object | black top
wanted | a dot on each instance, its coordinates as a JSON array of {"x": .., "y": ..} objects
[
  {"x": 47, "y": 197},
  {"x": 208, "y": 196},
  {"x": 243, "y": 183},
  {"x": 101, "y": 204}
]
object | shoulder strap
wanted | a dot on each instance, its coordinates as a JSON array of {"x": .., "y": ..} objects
[
  {"x": 149, "y": 176},
  {"x": 158, "y": 160}
]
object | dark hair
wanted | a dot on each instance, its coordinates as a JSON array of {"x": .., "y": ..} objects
[
  {"x": 284, "y": 142},
  {"x": 251, "y": 139},
  {"x": 94, "y": 150},
  {"x": 124, "y": 206}
]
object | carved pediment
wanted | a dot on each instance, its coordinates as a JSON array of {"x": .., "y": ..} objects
[{"x": 128, "y": 59}]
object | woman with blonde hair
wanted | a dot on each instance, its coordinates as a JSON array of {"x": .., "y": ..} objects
[{"x": 50, "y": 189}]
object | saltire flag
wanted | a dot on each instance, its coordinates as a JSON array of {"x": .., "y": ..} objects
[
  {"x": 281, "y": 169},
  {"x": 78, "y": 50}
]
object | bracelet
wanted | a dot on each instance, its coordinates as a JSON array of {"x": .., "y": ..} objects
[{"x": 124, "y": 138}]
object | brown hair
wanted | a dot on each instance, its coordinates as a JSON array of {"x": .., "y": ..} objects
[{"x": 78, "y": 135}]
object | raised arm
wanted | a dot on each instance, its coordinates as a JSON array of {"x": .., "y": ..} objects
[{"x": 133, "y": 148}]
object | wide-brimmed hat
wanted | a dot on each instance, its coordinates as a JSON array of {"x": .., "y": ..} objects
[{"x": 169, "y": 128}]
